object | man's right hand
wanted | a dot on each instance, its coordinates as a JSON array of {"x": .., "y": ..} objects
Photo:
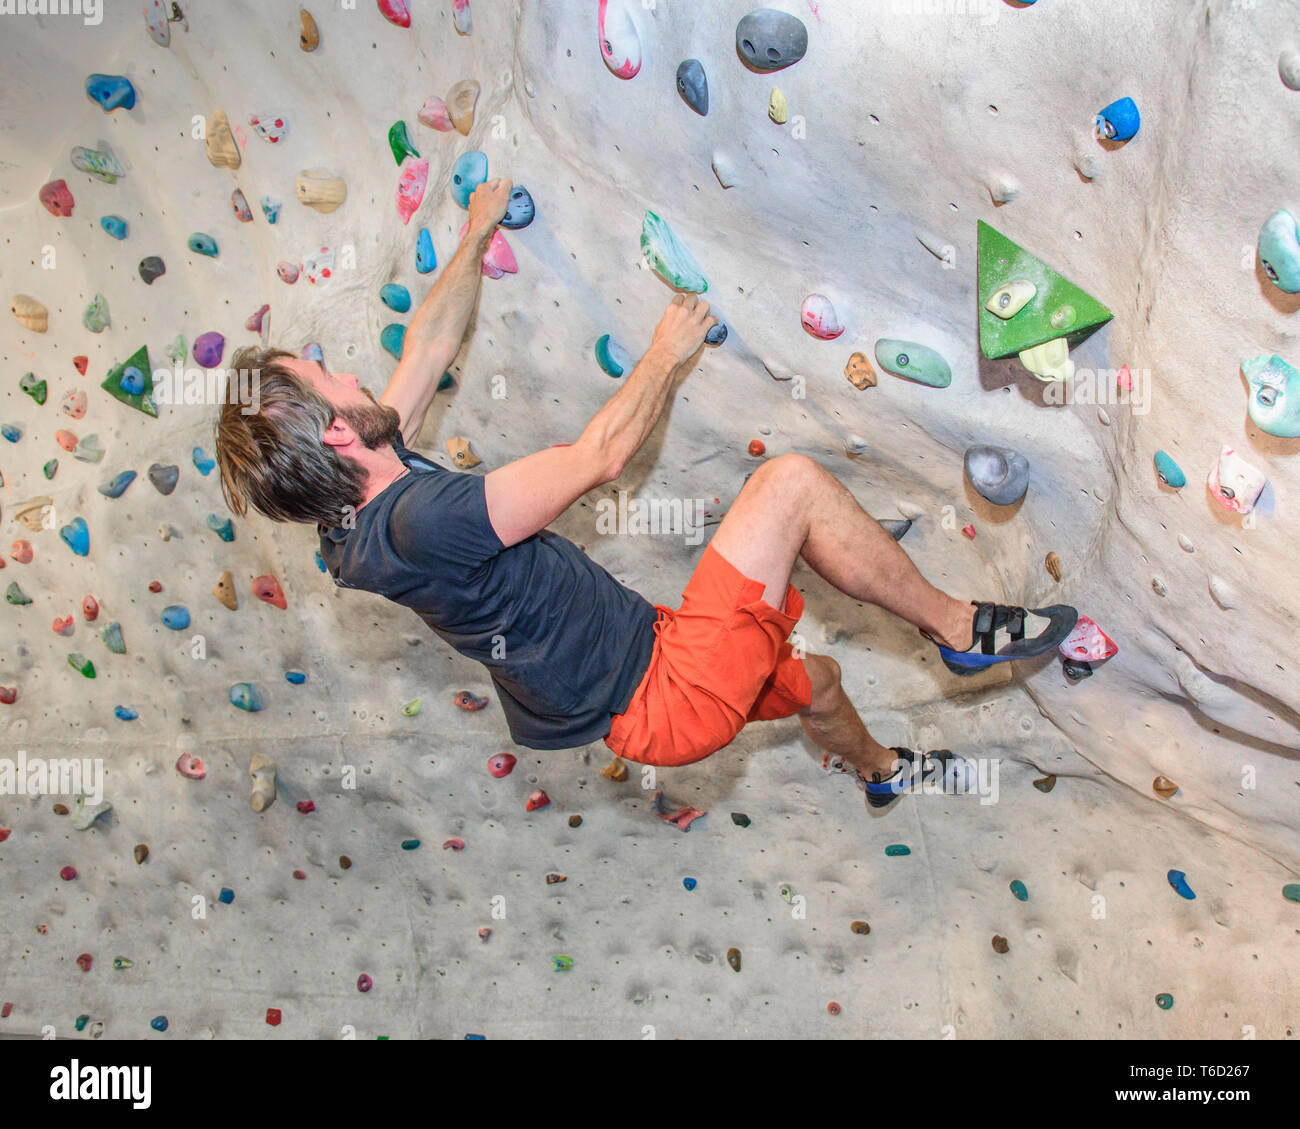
[
  {"x": 487, "y": 206},
  {"x": 680, "y": 332}
]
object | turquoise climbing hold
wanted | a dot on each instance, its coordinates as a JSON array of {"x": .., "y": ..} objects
[
  {"x": 410, "y": 844},
  {"x": 245, "y": 696},
  {"x": 115, "y": 226},
  {"x": 668, "y": 256},
  {"x": 395, "y": 297},
  {"x": 613, "y": 359},
  {"x": 392, "y": 338},
  {"x": 1279, "y": 251},
  {"x": 1171, "y": 474},
  {"x": 111, "y": 91},
  {"x": 271, "y": 209},
  {"x": 447, "y": 381},
  {"x": 12, "y": 431},
  {"x": 469, "y": 171},
  {"x": 111, "y": 634},
  {"x": 76, "y": 536},
  {"x": 913, "y": 361},
  {"x": 203, "y": 244},
  {"x": 297, "y": 677},
  {"x": 896, "y": 849},
  {"x": 1018, "y": 889},
  {"x": 225, "y": 529},
  {"x": 1178, "y": 880},
  {"x": 176, "y": 617},
  {"x": 1291, "y": 892},
  {"x": 159, "y": 1023},
  {"x": 202, "y": 463},
  {"x": 117, "y": 485},
  {"x": 1273, "y": 395},
  {"x": 425, "y": 259},
  {"x": 1164, "y": 1001},
  {"x": 51, "y": 468}
]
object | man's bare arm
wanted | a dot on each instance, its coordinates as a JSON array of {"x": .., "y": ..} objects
[
  {"x": 437, "y": 330},
  {"x": 525, "y": 496}
]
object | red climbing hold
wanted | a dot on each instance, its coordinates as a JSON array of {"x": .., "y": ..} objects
[
  {"x": 267, "y": 589},
  {"x": 467, "y": 701},
  {"x": 68, "y": 873},
  {"x": 155, "y": 586},
  {"x": 8, "y": 695},
  {"x": 81, "y": 363},
  {"x": 57, "y": 198},
  {"x": 396, "y": 12},
  {"x": 306, "y": 807},
  {"x": 453, "y": 845},
  {"x": 190, "y": 767},
  {"x": 833, "y": 1008},
  {"x": 5, "y": 832},
  {"x": 300, "y": 874},
  {"x": 85, "y": 961},
  {"x": 364, "y": 983},
  {"x": 503, "y": 764},
  {"x": 90, "y": 609},
  {"x": 969, "y": 530},
  {"x": 757, "y": 449},
  {"x": 66, "y": 440},
  {"x": 6, "y": 1011},
  {"x": 538, "y": 799},
  {"x": 63, "y": 625},
  {"x": 273, "y": 1016}
]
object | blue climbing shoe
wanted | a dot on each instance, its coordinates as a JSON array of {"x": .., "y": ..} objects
[
  {"x": 939, "y": 771},
  {"x": 1000, "y": 634}
]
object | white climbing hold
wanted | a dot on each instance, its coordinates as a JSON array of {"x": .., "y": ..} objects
[
  {"x": 1159, "y": 586},
  {"x": 1288, "y": 69},
  {"x": 723, "y": 170},
  {"x": 1104, "y": 416},
  {"x": 1186, "y": 542},
  {"x": 1002, "y": 188},
  {"x": 1225, "y": 595},
  {"x": 909, "y": 510}
]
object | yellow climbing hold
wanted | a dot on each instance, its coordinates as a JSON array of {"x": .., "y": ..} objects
[
  {"x": 776, "y": 107},
  {"x": 1050, "y": 360}
]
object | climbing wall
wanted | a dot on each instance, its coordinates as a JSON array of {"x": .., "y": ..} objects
[{"x": 1129, "y": 866}]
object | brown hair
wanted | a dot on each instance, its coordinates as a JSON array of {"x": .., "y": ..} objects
[{"x": 275, "y": 459}]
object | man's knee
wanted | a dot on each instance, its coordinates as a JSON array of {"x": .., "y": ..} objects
[
  {"x": 790, "y": 472},
  {"x": 824, "y": 674}
]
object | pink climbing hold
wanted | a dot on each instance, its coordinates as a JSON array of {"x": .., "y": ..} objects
[
  {"x": 85, "y": 961},
  {"x": 190, "y": 767},
  {"x": 6, "y": 1010},
  {"x": 239, "y": 205},
  {"x": 267, "y": 588},
  {"x": 90, "y": 609},
  {"x": 68, "y": 873},
  {"x": 461, "y": 17},
  {"x": 396, "y": 12},
  {"x": 57, "y": 198},
  {"x": 288, "y": 272},
  {"x": 537, "y": 799},
  {"x": 434, "y": 114},
  {"x": 255, "y": 319},
  {"x": 466, "y": 701},
  {"x": 620, "y": 44},
  {"x": 1087, "y": 643},
  {"x": 269, "y": 127},
  {"x": 410, "y": 186},
  {"x": 63, "y": 625},
  {"x": 453, "y": 845},
  {"x": 306, "y": 807},
  {"x": 300, "y": 875},
  {"x": 74, "y": 403},
  {"x": 969, "y": 530},
  {"x": 819, "y": 318},
  {"x": 1124, "y": 379},
  {"x": 364, "y": 983},
  {"x": 682, "y": 817},
  {"x": 499, "y": 260},
  {"x": 503, "y": 764},
  {"x": 21, "y": 551}
]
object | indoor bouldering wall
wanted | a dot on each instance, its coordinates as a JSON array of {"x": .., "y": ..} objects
[{"x": 1035, "y": 297}]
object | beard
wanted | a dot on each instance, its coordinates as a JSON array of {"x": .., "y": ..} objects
[{"x": 376, "y": 426}]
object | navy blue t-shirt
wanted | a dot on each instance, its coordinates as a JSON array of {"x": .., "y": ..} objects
[{"x": 565, "y": 643}]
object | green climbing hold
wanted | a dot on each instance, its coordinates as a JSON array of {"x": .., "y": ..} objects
[
  {"x": 15, "y": 595},
  {"x": 913, "y": 361},
  {"x": 1057, "y": 307},
  {"x": 1018, "y": 889},
  {"x": 410, "y": 844},
  {"x": 562, "y": 963},
  {"x": 136, "y": 391},
  {"x": 740, "y": 819},
  {"x": 36, "y": 389},
  {"x": 96, "y": 318},
  {"x": 51, "y": 468},
  {"x": 79, "y": 662},
  {"x": 668, "y": 256},
  {"x": 895, "y": 849},
  {"x": 1291, "y": 892},
  {"x": 80, "y": 1022},
  {"x": 400, "y": 143},
  {"x": 413, "y": 707},
  {"x": 120, "y": 963},
  {"x": 1164, "y": 1001},
  {"x": 112, "y": 636}
]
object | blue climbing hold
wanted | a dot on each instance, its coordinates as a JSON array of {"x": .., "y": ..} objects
[
  {"x": 111, "y": 91},
  {"x": 717, "y": 335},
  {"x": 1279, "y": 251},
  {"x": 226, "y": 896},
  {"x": 1119, "y": 121},
  {"x": 202, "y": 463},
  {"x": 1171, "y": 474},
  {"x": 425, "y": 259},
  {"x": 124, "y": 713},
  {"x": 159, "y": 1023},
  {"x": 11, "y": 431},
  {"x": 447, "y": 381},
  {"x": 313, "y": 352},
  {"x": 520, "y": 210},
  {"x": 320, "y": 561},
  {"x": 132, "y": 381},
  {"x": 392, "y": 338},
  {"x": 270, "y": 209},
  {"x": 689, "y": 883},
  {"x": 395, "y": 297},
  {"x": 76, "y": 536},
  {"x": 469, "y": 171},
  {"x": 613, "y": 359},
  {"x": 202, "y": 244},
  {"x": 176, "y": 617},
  {"x": 297, "y": 677},
  {"x": 223, "y": 529},
  {"x": 116, "y": 486},
  {"x": 693, "y": 85},
  {"x": 114, "y": 225},
  {"x": 1178, "y": 880},
  {"x": 245, "y": 696}
]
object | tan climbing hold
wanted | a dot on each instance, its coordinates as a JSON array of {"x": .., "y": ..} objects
[
  {"x": 321, "y": 189},
  {"x": 1165, "y": 787},
  {"x": 225, "y": 591},
  {"x": 859, "y": 372},
  {"x": 309, "y": 34},
  {"x": 1045, "y": 784},
  {"x": 261, "y": 770},
  {"x": 30, "y": 313},
  {"x": 1053, "y": 565},
  {"x": 32, "y": 514},
  {"x": 461, "y": 100},
  {"x": 860, "y": 927},
  {"x": 1000, "y": 944},
  {"x": 777, "y": 109},
  {"x": 223, "y": 152},
  {"x": 462, "y": 453},
  {"x": 616, "y": 770}
]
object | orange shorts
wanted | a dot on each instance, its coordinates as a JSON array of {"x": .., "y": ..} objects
[{"x": 720, "y": 661}]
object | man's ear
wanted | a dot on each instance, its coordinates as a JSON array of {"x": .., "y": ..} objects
[{"x": 339, "y": 433}]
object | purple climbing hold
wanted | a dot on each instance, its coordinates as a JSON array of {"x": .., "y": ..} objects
[{"x": 208, "y": 349}]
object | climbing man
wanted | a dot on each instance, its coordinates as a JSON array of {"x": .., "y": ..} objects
[{"x": 575, "y": 656}]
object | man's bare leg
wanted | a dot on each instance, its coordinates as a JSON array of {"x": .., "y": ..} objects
[{"x": 833, "y": 725}]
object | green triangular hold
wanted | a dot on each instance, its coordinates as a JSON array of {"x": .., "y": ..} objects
[
  {"x": 141, "y": 401},
  {"x": 1057, "y": 309}
]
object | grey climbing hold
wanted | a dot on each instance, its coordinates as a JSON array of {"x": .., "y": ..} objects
[
  {"x": 769, "y": 40},
  {"x": 164, "y": 477},
  {"x": 1288, "y": 69},
  {"x": 152, "y": 267},
  {"x": 693, "y": 86},
  {"x": 998, "y": 474},
  {"x": 895, "y": 527}
]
